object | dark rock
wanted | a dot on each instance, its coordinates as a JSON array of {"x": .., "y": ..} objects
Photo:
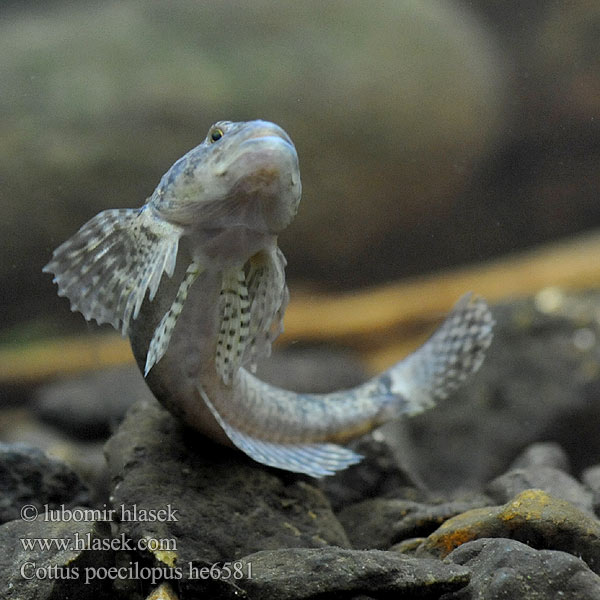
[
  {"x": 378, "y": 474},
  {"x": 28, "y": 476},
  {"x": 91, "y": 406},
  {"x": 539, "y": 381},
  {"x": 84, "y": 457},
  {"x": 408, "y": 546},
  {"x": 533, "y": 517},
  {"x": 54, "y": 573},
  {"x": 380, "y": 523},
  {"x": 591, "y": 477},
  {"x": 504, "y": 569},
  {"x": 305, "y": 574},
  {"x": 226, "y": 505},
  {"x": 542, "y": 454},
  {"x": 551, "y": 480}
]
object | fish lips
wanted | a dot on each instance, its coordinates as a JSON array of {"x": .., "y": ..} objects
[{"x": 264, "y": 182}]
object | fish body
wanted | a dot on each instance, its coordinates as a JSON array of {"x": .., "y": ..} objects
[{"x": 195, "y": 277}]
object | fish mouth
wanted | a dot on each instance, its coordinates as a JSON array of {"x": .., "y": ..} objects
[
  {"x": 263, "y": 130},
  {"x": 265, "y": 158},
  {"x": 258, "y": 179}
]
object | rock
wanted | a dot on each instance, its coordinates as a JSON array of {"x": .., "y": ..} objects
[
  {"x": 380, "y": 523},
  {"x": 163, "y": 592},
  {"x": 591, "y": 477},
  {"x": 225, "y": 505},
  {"x": 85, "y": 458},
  {"x": 538, "y": 381},
  {"x": 533, "y": 517},
  {"x": 551, "y": 480},
  {"x": 91, "y": 406},
  {"x": 378, "y": 474},
  {"x": 304, "y": 573},
  {"x": 542, "y": 454},
  {"x": 54, "y": 573},
  {"x": 29, "y": 477},
  {"x": 504, "y": 568}
]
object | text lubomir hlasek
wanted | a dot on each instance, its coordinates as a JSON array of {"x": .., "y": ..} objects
[{"x": 122, "y": 513}]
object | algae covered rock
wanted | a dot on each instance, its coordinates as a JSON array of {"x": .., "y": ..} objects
[
  {"x": 533, "y": 517},
  {"x": 223, "y": 505}
]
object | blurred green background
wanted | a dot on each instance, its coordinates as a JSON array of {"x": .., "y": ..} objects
[{"x": 430, "y": 133}]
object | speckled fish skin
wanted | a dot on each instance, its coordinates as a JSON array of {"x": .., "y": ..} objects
[{"x": 211, "y": 226}]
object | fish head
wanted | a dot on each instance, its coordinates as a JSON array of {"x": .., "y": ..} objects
[{"x": 243, "y": 174}]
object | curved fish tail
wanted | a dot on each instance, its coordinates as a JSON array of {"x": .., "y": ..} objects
[{"x": 316, "y": 424}]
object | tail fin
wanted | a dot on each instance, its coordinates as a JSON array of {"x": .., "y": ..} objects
[
  {"x": 107, "y": 266},
  {"x": 445, "y": 361}
]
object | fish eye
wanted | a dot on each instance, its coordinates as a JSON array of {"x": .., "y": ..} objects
[{"x": 216, "y": 134}]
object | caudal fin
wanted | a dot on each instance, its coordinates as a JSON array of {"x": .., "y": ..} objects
[{"x": 455, "y": 351}]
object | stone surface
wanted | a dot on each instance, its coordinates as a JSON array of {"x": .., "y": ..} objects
[
  {"x": 227, "y": 506},
  {"x": 378, "y": 474},
  {"x": 29, "y": 477},
  {"x": 591, "y": 477},
  {"x": 84, "y": 457},
  {"x": 91, "y": 406},
  {"x": 533, "y": 517},
  {"x": 503, "y": 569},
  {"x": 381, "y": 523},
  {"x": 309, "y": 574},
  {"x": 54, "y": 573},
  {"x": 542, "y": 454},
  {"x": 551, "y": 480}
]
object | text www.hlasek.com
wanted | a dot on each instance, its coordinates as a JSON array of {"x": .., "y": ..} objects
[{"x": 89, "y": 542}]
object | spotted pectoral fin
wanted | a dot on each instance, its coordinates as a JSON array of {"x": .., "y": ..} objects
[
  {"x": 268, "y": 300},
  {"x": 107, "y": 267},
  {"x": 316, "y": 459},
  {"x": 235, "y": 321},
  {"x": 162, "y": 334}
]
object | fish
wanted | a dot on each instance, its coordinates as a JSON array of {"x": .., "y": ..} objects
[{"x": 196, "y": 279}]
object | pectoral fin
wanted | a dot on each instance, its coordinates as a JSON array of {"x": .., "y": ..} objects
[
  {"x": 162, "y": 334},
  {"x": 268, "y": 300},
  {"x": 106, "y": 268}
]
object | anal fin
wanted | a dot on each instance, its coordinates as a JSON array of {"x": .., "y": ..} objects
[{"x": 314, "y": 459}]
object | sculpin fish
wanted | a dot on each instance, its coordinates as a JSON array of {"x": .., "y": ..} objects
[{"x": 211, "y": 226}]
